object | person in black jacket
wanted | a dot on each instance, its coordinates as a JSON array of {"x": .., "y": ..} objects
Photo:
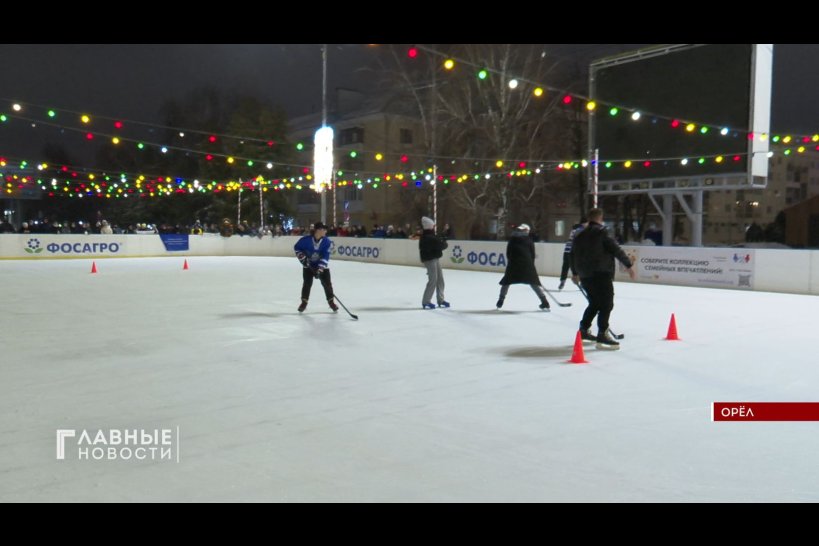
[
  {"x": 592, "y": 262},
  {"x": 520, "y": 266},
  {"x": 432, "y": 248}
]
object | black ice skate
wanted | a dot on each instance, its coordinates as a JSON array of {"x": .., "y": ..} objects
[
  {"x": 586, "y": 335},
  {"x": 303, "y": 305},
  {"x": 605, "y": 341},
  {"x": 332, "y": 305}
]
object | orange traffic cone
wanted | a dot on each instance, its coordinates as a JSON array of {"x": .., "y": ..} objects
[
  {"x": 185, "y": 267},
  {"x": 577, "y": 354},
  {"x": 93, "y": 267},
  {"x": 672, "y": 330}
]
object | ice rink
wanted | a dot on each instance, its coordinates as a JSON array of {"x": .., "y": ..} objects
[{"x": 460, "y": 404}]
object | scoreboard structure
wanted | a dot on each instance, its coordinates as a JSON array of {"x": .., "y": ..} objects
[{"x": 688, "y": 118}]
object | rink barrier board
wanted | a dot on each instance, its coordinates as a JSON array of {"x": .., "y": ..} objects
[{"x": 775, "y": 270}]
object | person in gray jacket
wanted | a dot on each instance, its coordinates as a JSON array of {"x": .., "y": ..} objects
[{"x": 431, "y": 248}]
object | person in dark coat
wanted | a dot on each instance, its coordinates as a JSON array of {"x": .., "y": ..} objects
[
  {"x": 592, "y": 262},
  {"x": 226, "y": 229},
  {"x": 431, "y": 248},
  {"x": 520, "y": 266}
]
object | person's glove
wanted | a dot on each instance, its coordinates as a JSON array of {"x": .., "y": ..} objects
[
  {"x": 303, "y": 259},
  {"x": 319, "y": 270}
]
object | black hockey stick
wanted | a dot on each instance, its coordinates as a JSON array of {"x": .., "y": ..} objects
[
  {"x": 345, "y": 308},
  {"x": 616, "y": 336},
  {"x": 562, "y": 304},
  {"x": 586, "y": 295}
]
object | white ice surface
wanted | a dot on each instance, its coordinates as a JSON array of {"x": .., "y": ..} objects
[{"x": 464, "y": 404}]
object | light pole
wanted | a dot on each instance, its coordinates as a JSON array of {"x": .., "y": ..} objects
[{"x": 323, "y": 158}]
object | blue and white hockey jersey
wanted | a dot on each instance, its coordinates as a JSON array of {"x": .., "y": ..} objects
[{"x": 317, "y": 252}]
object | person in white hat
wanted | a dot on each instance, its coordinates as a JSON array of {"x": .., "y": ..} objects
[
  {"x": 520, "y": 266},
  {"x": 432, "y": 248}
]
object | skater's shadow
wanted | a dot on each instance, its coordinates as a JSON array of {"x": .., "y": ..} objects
[
  {"x": 564, "y": 352},
  {"x": 492, "y": 312},
  {"x": 255, "y": 314},
  {"x": 385, "y": 309}
]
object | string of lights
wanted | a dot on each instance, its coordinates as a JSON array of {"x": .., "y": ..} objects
[
  {"x": 118, "y": 124},
  {"x": 592, "y": 106},
  {"x": 117, "y": 139},
  {"x": 72, "y": 180},
  {"x": 250, "y": 162}
]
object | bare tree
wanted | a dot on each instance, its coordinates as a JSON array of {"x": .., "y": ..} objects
[{"x": 469, "y": 121}]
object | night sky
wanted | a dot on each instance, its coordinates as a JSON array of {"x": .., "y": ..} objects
[{"x": 132, "y": 81}]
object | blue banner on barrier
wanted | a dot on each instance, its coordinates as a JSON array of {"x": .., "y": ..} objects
[{"x": 174, "y": 242}]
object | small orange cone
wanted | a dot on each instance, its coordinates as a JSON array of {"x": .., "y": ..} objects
[
  {"x": 672, "y": 329},
  {"x": 93, "y": 267},
  {"x": 185, "y": 267},
  {"x": 577, "y": 354}
]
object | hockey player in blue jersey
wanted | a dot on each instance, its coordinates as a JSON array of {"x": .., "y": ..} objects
[{"x": 313, "y": 251}]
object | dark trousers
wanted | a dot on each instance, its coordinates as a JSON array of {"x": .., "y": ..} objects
[
  {"x": 324, "y": 277},
  {"x": 564, "y": 271},
  {"x": 600, "y": 290},
  {"x": 538, "y": 289}
]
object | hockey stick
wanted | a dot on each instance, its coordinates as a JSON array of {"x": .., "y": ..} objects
[
  {"x": 586, "y": 295},
  {"x": 345, "y": 308},
  {"x": 562, "y": 304}
]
